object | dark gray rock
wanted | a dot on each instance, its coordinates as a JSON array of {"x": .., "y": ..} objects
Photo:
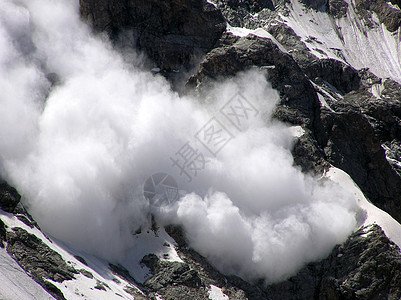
[
  {"x": 350, "y": 143},
  {"x": 3, "y": 233},
  {"x": 393, "y": 154},
  {"x": 308, "y": 154},
  {"x": 341, "y": 76},
  {"x": 366, "y": 266},
  {"x": 297, "y": 94},
  {"x": 252, "y": 6},
  {"x": 9, "y": 197},
  {"x": 316, "y": 4},
  {"x": 169, "y": 273},
  {"x": 238, "y": 13},
  {"x": 86, "y": 273},
  {"x": 387, "y": 15},
  {"x": 337, "y": 8},
  {"x": 174, "y": 33},
  {"x": 233, "y": 286},
  {"x": 133, "y": 285},
  {"x": 26, "y": 220},
  {"x": 38, "y": 260},
  {"x": 384, "y": 112},
  {"x": 396, "y": 2},
  {"x": 81, "y": 259}
]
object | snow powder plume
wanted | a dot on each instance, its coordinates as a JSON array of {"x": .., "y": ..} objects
[{"x": 80, "y": 145}]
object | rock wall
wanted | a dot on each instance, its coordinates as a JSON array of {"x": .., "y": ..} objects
[{"x": 174, "y": 34}]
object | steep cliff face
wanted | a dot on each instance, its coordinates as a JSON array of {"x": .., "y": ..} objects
[
  {"x": 365, "y": 121},
  {"x": 354, "y": 270},
  {"x": 175, "y": 34}
]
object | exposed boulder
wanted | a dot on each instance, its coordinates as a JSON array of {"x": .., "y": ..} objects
[
  {"x": 308, "y": 154},
  {"x": 249, "y": 13},
  {"x": 169, "y": 273}
]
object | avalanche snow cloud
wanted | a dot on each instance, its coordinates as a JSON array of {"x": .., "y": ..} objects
[{"x": 80, "y": 150}]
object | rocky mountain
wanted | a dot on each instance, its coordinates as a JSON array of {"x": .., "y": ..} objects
[{"x": 336, "y": 65}]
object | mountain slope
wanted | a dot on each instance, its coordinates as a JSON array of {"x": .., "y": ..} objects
[{"x": 336, "y": 68}]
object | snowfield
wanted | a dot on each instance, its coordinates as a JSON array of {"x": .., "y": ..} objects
[
  {"x": 16, "y": 284},
  {"x": 373, "y": 214},
  {"x": 347, "y": 40}
]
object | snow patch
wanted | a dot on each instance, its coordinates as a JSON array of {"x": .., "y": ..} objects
[
  {"x": 15, "y": 283},
  {"x": 373, "y": 214},
  {"x": 210, "y": 2},
  {"x": 296, "y": 131},
  {"x": 260, "y": 32},
  {"x": 393, "y": 6},
  {"x": 148, "y": 242},
  {"x": 324, "y": 103},
  {"x": 376, "y": 90},
  {"x": 80, "y": 288},
  {"x": 348, "y": 39},
  {"x": 215, "y": 293}
]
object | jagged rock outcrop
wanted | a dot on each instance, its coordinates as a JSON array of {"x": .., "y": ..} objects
[
  {"x": 353, "y": 147},
  {"x": 9, "y": 197},
  {"x": 363, "y": 122},
  {"x": 174, "y": 34},
  {"x": 316, "y": 4},
  {"x": 366, "y": 266},
  {"x": 252, "y": 6},
  {"x": 387, "y": 15},
  {"x": 239, "y": 54},
  {"x": 38, "y": 260}
]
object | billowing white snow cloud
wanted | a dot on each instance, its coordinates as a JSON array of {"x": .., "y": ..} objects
[{"x": 80, "y": 151}]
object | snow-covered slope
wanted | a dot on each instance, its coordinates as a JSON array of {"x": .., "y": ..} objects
[
  {"x": 348, "y": 39},
  {"x": 95, "y": 279},
  {"x": 373, "y": 215},
  {"x": 15, "y": 283}
]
